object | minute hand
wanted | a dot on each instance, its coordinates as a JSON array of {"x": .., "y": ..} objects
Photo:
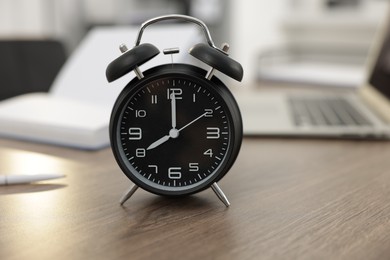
[
  {"x": 173, "y": 110},
  {"x": 193, "y": 121}
]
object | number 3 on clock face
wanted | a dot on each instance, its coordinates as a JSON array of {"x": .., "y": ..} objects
[{"x": 174, "y": 132}]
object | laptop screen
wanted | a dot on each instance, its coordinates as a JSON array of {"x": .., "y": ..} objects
[{"x": 380, "y": 76}]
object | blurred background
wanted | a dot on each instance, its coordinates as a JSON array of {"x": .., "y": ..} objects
[{"x": 267, "y": 37}]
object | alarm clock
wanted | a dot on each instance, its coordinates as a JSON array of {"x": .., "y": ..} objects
[{"x": 175, "y": 129}]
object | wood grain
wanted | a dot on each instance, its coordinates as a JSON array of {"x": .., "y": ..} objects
[{"x": 291, "y": 199}]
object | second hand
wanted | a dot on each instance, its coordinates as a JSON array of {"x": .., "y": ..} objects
[{"x": 193, "y": 121}]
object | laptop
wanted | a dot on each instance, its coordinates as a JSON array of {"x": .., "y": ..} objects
[{"x": 360, "y": 113}]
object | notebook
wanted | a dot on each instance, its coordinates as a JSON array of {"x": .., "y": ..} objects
[{"x": 76, "y": 111}]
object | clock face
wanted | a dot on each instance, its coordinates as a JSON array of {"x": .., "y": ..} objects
[{"x": 175, "y": 133}]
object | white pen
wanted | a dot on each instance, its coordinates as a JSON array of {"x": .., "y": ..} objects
[{"x": 23, "y": 179}]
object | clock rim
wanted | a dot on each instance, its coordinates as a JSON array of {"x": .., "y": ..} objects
[{"x": 197, "y": 74}]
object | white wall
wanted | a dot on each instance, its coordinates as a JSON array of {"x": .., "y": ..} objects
[
  {"x": 249, "y": 26},
  {"x": 254, "y": 26},
  {"x": 59, "y": 19},
  {"x": 22, "y": 18},
  {"x": 258, "y": 25}
]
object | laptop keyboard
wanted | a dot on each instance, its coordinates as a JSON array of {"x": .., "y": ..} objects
[{"x": 309, "y": 111}]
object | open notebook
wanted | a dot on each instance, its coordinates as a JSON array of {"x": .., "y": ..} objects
[{"x": 76, "y": 111}]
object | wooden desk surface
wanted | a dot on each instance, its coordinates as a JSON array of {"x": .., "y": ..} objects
[{"x": 302, "y": 199}]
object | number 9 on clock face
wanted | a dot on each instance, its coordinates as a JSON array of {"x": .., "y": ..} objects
[{"x": 175, "y": 132}]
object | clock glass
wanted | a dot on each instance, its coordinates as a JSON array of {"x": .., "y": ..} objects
[{"x": 174, "y": 132}]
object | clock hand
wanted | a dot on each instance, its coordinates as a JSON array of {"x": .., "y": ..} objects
[
  {"x": 173, "y": 133},
  {"x": 193, "y": 121},
  {"x": 173, "y": 110},
  {"x": 158, "y": 142}
]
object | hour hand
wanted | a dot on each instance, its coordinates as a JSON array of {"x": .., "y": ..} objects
[
  {"x": 173, "y": 133},
  {"x": 158, "y": 142}
]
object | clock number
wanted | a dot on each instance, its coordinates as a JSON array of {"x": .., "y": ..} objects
[
  {"x": 140, "y": 113},
  {"x": 155, "y": 167},
  {"x": 208, "y": 112},
  {"x": 154, "y": 99},
  {"x": 213, "y": 133},
  {"x": 140, "y": 152},
  {"x": 209, "y": 152},
  {"x": 194, "y": 167},
  {"x": 135, "y": 133},
  {"x": 175, "y": 91},
  {"x": 174, "y": 173}
]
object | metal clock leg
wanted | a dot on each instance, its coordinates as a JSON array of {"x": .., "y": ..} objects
[
  {"x": 128, "y": 194},
  {"x": 220, "y": 194}
]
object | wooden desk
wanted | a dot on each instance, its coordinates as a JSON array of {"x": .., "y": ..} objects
[{"x": 291, "y": 199}]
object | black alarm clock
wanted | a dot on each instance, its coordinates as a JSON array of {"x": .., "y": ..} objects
[{"x": 175, "y": 129}]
